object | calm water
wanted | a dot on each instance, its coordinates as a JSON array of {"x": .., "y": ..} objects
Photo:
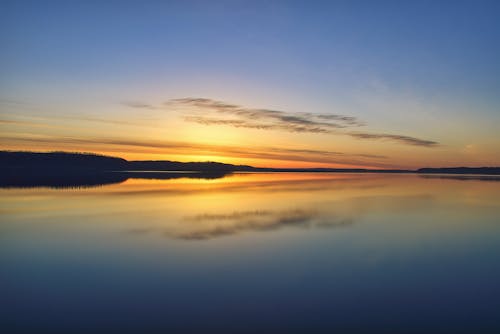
[{"x": 256, "y": 253}]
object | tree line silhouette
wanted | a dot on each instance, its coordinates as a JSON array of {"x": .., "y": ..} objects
[{"x": 60, "y": 169}]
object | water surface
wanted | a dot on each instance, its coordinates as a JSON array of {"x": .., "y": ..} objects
[{"x": 253, "y": 253}]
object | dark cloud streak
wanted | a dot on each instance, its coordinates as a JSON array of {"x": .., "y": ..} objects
[
  {"x": 139, "y": 105},
  {"x": 268, "y": 119},
  {"x": 264, "y": 118},
  {"x": 253, "y": 125},
  {"x": 399, "y": 138}
]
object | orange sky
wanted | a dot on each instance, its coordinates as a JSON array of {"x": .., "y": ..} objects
[
  {"x": 272, "y": 83},
  {"x": 214, "y": 130}
]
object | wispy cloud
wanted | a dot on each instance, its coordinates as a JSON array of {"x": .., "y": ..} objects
[
  {"x": 262, "y": 118},
  {"x": 17, "y": 122},
  {"x": 255, "y": 125},
  {"x": 189, "y": 148},
  {"x": 139, "y": 105},
  {"x": 212, "y": 112},
  {"x": 399, "y": 138},
  {"x": 57, "y": 120}
]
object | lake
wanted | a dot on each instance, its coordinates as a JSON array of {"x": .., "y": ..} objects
[{"x": 253, "y": 253}]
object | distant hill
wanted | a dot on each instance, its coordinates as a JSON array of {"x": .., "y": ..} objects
[
  {"x": 160, "y": 165},
  {"x": 69, "y": 170},
  {"x": 461, "y": 170},
  {"x": 65, "y": 163},
  {"x": 59, "y": 161},
  {"x": 88, "y": 162}
]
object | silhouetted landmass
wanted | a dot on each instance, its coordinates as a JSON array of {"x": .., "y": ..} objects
[
  {"x": 167, "y": 175},
  {"x": 64, "y": 161},
  {"x": 152, "y": 165},
  {"x": 70, "y": 170},
  {"x": 63, "y": 169},
  {"x": 461, "y": 170},
  {"x": 60, "y": 161}
]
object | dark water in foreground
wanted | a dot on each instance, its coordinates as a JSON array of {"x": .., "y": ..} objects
[{"x": 256, "y": 253}]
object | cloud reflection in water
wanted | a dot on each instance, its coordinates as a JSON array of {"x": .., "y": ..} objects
[{"x": 208, "y": 226}]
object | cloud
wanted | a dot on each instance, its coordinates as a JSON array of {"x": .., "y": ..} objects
[
  {"x": 263, "y": 118},
  {"x": 139, "y": 105},
  {"x": 18, "y": 122},
  {"x": 398, "y": 138},
  {"x": 212, "y": 112},
  {"x": 326, "y": 153},
  {"x": 254, "y": 125}
]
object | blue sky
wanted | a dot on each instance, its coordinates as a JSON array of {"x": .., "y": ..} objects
[{"x": 393, "y": 64}]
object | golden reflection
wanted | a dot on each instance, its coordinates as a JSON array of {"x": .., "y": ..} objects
[{"x": 188, "y": 208}]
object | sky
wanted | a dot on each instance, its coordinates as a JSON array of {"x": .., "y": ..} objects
[{"x": 375, "y": 84}]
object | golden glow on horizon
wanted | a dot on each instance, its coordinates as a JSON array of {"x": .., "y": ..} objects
[
  {"x": 171, "y": 138},
  {"x": 405, "y": 160}
]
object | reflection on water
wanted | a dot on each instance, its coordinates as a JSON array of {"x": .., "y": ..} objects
[
  {"x": 253, "y": 252},
  {"x": 491, "y": 178},
  {"x": 204, "y": 226},
  {"x": 58, "y": 180}
]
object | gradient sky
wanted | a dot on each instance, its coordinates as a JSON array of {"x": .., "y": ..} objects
[{"x": 391, "y": 84}]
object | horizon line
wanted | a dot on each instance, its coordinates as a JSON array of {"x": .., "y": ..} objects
[{"x": 82, "y": 153}]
